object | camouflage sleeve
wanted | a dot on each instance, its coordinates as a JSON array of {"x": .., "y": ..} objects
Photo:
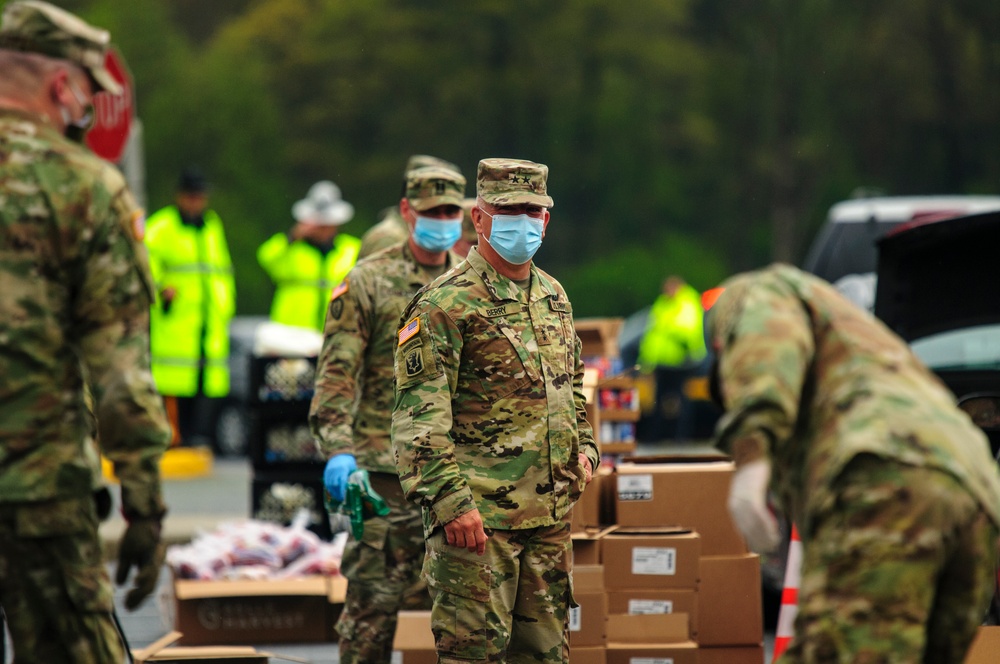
[
  {"x": 762, "y": 367},
  {"x": 586, "y": 432},
  {"x": 426, "y": 365},
  {"x": 112, "y": 313},
  {"x": 345, "y": 338}
]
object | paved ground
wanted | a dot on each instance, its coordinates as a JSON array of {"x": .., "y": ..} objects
[{"x": 201, "y": 504}]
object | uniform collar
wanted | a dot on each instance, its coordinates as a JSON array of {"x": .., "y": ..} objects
[{"x": 502, "y": 288}]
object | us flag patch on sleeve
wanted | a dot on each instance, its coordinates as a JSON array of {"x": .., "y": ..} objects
[
  {"x": 409, "y": 330},
  {"x": 339, "y": 290}
]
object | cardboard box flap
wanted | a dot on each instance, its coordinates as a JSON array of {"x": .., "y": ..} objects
[
  {"x": 337, "y": 589},
  {"x": 310, "y": 586},
  {"x": 647, "y": 530},
  {"x": 650, "y": 628},
  {"x": 588, "y": 579},
  {"x": 676, "y": 464},
  {"x": 413, "y": 631},
  {"x": 592, "y": 533},
  {"x": 985, "y": 648},
  {"x": 161, "y": 650}
]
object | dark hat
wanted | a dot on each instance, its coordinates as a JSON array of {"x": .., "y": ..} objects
[
  {"x": 513, "y": 182},
  {"x": 38, "y": 27},
  {"x": 192, "y": 181}
]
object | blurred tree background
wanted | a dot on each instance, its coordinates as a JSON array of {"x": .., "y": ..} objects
[{"x": 694, "y": 137}]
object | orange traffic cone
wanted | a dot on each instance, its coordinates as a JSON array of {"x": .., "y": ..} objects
[{"x": 789, "y": 596}]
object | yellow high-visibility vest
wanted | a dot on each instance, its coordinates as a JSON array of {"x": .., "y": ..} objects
[
  {"x": 192, "y": 336},
  {"x": 303, "y": 276},
  {"x": 674, "y": 332}
]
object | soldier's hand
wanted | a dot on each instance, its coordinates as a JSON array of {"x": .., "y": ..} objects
[
  {"x": 748, "y": 506},
  {"x": 140, "y": 548},
  {"x": 467, "y": 532},
  {"x": 587, "y": 468}
]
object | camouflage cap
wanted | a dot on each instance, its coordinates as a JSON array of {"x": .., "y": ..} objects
[
  {"x": 431, "y": 186},
  {"x": 513, "y": 182},
  {"x": 423, "y": 160},
  {"x": 38, "y": 27}
]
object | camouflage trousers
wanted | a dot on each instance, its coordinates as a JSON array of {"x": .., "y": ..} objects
[
  {"x": 509, "y": 605},
  {"x": 54, "y": 588},
  {"x": 901, "y": 569},
  {"x": 383, "y": 577}
]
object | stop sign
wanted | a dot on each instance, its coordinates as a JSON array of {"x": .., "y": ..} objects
[{"x": 113, "y": 113}]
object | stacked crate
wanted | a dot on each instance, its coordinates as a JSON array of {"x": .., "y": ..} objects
[{"x": 287, "y": 467}]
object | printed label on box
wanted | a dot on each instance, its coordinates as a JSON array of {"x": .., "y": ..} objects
[
  {"x": 654, "y": 560},
  {"x": 575, "y": 619},
  {"x": 650, "y": 660},
  {"x": 635, "y": 487},
  {"x": 645, "y": 607}
]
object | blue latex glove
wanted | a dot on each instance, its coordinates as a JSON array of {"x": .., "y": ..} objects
[{"x": 338, "y": 469}]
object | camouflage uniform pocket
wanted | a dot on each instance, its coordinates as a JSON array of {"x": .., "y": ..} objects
[
  {"x": 462, "y": 592},
  {"x": 54, "y": 518}
]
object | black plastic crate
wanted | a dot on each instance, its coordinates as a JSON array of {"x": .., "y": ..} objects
[
  {"x": 278, "y": 496},
  {"x": 282, "y": 440},
  {"x": 281, "y": 379}
]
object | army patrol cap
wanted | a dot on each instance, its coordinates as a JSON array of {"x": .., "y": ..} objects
[
  {"x": 432, "y": 186},
  {"x": 423, "y": 160},
  {"x": 38, "y": 27},
  {"x": 513, "y": 182}
]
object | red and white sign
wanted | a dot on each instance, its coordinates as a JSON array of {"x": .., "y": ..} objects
[{"x": 108, "y": 136}]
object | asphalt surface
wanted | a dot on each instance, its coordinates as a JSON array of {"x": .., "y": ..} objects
[{"x": 199, "y": 505}]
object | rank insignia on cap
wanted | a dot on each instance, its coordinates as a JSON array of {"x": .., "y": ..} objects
[
  {"x": 339, "y": 290},
  {"x": 409, "y": 330}
]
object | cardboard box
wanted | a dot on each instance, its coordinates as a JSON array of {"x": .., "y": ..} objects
[
  {"x": 162, "y": 652},
  {"x": 587, "y": 621},
  {"x": 588, "y": 655},
  {"x": 587, "y": 510},
  {"x": 414, "y": 639},
  {"x": 650, "y": 558},
  {"x": 729, "y": 601},
  {"x": 733, "y": 655},
  {"x": 599, "y": 336},
  {"x": 661, "y": 637},
  {"x": 685, "y": 492},
  {"x": 985, "y": 648},
  {"x": 247, "y": 612},
  {"x": 644, "y": 602},
  {"x": 587, "y": 545}
]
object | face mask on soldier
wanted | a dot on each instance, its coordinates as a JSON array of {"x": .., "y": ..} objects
[{"x": 75, "y": 130}]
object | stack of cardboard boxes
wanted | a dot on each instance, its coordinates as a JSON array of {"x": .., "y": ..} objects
[{"x": 660, "y": 571}]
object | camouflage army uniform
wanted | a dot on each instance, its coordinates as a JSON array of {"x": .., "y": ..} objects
[
  {"x": 489, "y": 414},
  {"x": 351, "y": 412},
  {"x": 390, "y": 231},
  {"x": 891, "y": 486},
  {"x": 76, "y": 287}
]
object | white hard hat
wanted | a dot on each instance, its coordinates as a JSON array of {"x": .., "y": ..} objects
[{"x": 323, "y": 205}]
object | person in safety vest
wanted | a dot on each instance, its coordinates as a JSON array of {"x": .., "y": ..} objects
[
  {"x": 673, "y": 342},
  {"x": 195, "y": 300},
  {"x": 306, "y": 262}
]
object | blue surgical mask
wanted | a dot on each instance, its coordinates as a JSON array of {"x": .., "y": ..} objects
[
  {"x": 516, "y": 237},
  {"x": 437, "y": 234}
]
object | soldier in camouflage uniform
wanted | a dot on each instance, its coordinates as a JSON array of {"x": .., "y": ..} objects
[
  {"x": 74, "y": 306},
  {"x": 352, "y": 407},
  {"x": 491, "y": 435},
  {"x": 392, "y": 228},
  {"x": 891, "y": 486}
]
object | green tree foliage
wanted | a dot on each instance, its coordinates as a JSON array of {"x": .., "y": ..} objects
[{"x": 695, "y": 137}]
